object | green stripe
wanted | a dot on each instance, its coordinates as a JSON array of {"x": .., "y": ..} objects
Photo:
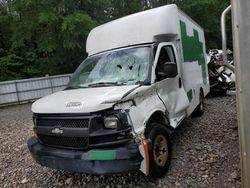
[
  {"x": 193, "y": 49},
  {"x": 101, "y": 155}
]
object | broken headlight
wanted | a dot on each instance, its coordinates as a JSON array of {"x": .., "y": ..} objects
[{"x": 111, "y": 122}]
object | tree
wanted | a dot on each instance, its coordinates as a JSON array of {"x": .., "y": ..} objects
[
  {"x": 39, "y": 37},
  {"x": 122, "y": 8},
  {"x": 46, "y": 37}
]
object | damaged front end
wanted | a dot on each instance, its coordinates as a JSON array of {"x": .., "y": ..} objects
[{"x": 100, "y": 143}]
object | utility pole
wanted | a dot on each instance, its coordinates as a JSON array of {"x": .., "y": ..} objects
[{"x": 241, "y": 36}]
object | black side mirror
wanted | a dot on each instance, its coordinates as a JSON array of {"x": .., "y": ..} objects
[{"x": 169, "y": 71}]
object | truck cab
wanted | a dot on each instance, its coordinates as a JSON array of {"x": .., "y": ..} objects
[{"x": 124, "y": 101}]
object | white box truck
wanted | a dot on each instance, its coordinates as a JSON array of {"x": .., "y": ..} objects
[{"x": 143, "y": 75}]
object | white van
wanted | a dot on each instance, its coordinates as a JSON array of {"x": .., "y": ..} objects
[{"x": 144, "y": 75}]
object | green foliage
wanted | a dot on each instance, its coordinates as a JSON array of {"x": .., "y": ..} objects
[
  {"x": 122, "y": 8},
  {"x": 75, "y": 29},
  {"x": 9, "y": 65},
  {"x": 39, "y": 37}
]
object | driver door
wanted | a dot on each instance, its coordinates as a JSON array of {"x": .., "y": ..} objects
[{"x": 170, "y": 89}]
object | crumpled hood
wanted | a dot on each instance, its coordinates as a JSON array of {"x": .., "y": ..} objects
[{"x": 81, "y": 100}]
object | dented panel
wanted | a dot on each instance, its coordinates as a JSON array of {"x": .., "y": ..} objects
[{"x": 142, "y": 103}]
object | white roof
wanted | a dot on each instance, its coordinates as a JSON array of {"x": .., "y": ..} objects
[{"x": 139, "y": 28}]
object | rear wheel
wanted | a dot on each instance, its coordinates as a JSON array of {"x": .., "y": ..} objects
[
  {"x": 159, "y": 151},
  {"x": 199, "y": 111}
]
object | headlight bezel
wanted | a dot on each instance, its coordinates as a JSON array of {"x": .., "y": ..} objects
[
  {"x": 122, "y": 118},
  {"x": 111, "y": 122}
]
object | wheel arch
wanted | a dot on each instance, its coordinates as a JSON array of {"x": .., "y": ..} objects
[
  {"x": 159, "y": 117},
  {"x": 202, "y": 91}
]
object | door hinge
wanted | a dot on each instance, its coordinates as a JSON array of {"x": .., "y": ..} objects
[{"x": 180, "y": 82}]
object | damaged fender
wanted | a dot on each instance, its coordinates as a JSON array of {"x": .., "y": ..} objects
[{"x": 143, "y": 148}]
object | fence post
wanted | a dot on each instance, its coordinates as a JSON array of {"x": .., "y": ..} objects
[
  {"x": 51, "y": 85},
  {"x": 17, "y": 93},
  {"x": 69, "y": 79}
]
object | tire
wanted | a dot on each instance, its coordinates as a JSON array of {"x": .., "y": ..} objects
[
  {"x": 199, "y": 111},
  {"x": 159, "y": 150}
]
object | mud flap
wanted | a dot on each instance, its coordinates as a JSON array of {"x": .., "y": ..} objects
[{"x": 143, "y": 148}]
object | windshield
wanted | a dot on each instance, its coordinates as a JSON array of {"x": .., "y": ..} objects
[{"x": 123, "y": 67}]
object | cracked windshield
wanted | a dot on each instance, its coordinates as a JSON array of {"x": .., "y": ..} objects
[{"x": 123, "y": 67}]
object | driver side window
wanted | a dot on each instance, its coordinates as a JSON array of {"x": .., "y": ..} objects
[{"x": 166, "y": 55}]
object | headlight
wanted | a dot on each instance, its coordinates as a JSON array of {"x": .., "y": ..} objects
[{"x": 111, "y": 122}]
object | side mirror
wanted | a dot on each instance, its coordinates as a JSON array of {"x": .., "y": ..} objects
[{"x": 169, "y": 71}]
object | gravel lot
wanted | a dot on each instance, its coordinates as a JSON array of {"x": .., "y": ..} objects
[{"x": 205, "y": 154}]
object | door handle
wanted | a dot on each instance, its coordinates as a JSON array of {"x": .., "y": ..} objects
[{"x": 180, "y": 82}]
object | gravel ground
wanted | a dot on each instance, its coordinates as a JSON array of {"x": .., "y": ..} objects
[{"x": 205, "y": 154}]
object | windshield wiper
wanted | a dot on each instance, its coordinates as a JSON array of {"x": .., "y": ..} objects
[
  {"x": 105, "y": 84},
  {"x": 73, "y": 87},
  {"x": 144, "y": 83}
]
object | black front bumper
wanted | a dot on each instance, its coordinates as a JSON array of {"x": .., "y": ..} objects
[{"x": 96, "y": 161}]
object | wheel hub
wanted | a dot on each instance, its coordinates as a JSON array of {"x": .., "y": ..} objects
[{"x": 160, "y": 149}]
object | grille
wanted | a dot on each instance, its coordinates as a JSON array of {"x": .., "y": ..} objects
[
  {"x": 66, "y": 142},
  {"x": 74, "y": 123}
]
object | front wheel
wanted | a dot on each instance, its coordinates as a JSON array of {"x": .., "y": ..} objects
[{"x": 159, "y": 151}]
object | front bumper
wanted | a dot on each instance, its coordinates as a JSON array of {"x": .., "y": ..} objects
[{"x": 96, "y": 161}]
